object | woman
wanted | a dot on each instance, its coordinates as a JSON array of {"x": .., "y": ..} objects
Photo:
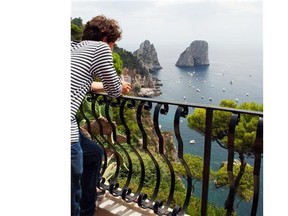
[{"x": 89, "y": 58}]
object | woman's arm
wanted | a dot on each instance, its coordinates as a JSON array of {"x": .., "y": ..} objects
[{"x": 98, "y": 87}]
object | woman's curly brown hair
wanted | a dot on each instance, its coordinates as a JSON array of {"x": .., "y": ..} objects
[{"x": 99, "y": 27}]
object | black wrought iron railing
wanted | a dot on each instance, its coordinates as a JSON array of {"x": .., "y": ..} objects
[{"x": 148, "y": 165}]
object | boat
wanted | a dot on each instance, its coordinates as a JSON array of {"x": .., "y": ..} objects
[{"x": 192, "y": 141}]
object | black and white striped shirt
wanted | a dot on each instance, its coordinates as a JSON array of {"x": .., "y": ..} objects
[{"x": 90, "y": 59}]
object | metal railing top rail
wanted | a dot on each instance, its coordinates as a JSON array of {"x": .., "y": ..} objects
[{"x": 197, "y": 105}]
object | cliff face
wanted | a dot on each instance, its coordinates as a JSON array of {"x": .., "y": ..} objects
[
  {"x": 194, "y": 55},
  {"x": 144, "y": 84},
  {"x": 147, "y": 56}
]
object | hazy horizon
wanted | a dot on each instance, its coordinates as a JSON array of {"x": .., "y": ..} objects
[{"x": 179, "y": 22}]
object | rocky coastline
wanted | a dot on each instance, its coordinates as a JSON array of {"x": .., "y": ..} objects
[{"x": 140, "y": 65}]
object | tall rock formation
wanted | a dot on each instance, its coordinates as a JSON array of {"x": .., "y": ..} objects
[
  {"x": 194, "y": 55},
  {"x": 147, "y": 56}
]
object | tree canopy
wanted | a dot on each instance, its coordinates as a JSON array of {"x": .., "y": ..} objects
[{"x": 245, "y": 131}]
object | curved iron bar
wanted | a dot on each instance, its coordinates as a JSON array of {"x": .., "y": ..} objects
[
  {"x": 182, "y": 112},
  {"x": 142, "y": 200},
  {"x": 206, "y": 163},
  {"x": 157, "y": 204},
  {"x": 125, "y": 191},
  {"x": 164, "y": 210},
  {"x": 104, "y": 165},
  {"x": 258, "y": 148},
  {"x": 235, "y": 117},
  {"x": 112, "y": 183},
  {"x": 92, "y": 99},
  {"x": 126, "y": 195}
]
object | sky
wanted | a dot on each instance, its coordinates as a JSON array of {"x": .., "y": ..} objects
[{"x": 179, "y": 21}]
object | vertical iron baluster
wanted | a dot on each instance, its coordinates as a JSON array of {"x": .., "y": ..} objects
[
  {"x": 144, "y": 135},
  {"x": 112, "y": 184},
  {"x": 142, "y": 198},
  {"x": 231, "y": 196},
  {"x": 125, "y": 191},
  {"x": 207, "y": 157},
  {"x": 161, "y": 151},
  {"x": 258, "y": 150},
  {"x": 93, "y": 106},
  {"x": 182, "y": 112},
  {"x": 126, "y": 194}
]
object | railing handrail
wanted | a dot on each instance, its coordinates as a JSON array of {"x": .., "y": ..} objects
[{"x": 197, "y": 105}]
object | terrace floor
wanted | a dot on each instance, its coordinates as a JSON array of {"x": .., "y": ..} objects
[{"x": 111, "y": 205}]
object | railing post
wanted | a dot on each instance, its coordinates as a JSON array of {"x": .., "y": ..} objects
[
  {"x": 235, "y": 118},
  {"x": 258, "y": 146},
  {"x": 207, "y": 157}
]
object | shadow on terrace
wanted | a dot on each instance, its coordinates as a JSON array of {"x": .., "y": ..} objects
[{"x": 147, "y": 164}]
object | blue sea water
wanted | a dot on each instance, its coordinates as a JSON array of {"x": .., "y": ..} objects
[
  {"x": 243, "y": 65},
  {"x": 235, "y": 73}
]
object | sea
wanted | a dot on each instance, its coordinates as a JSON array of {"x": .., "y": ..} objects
[{"x": 235, "y": 73}]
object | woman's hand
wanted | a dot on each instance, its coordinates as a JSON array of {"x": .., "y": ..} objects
[{"x": 126, "y": 87}]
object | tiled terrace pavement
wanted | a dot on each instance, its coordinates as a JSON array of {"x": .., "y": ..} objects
[{"x": 111, "y": 205}]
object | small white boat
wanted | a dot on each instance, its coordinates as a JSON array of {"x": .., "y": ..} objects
[
  {"x": 192, "y": 141},
  {"x": 198, "y": 90}
]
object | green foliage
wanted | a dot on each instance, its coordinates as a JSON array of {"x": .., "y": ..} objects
[
  {"x": 118, "y": 64},
  {"x": 245, "y": 131},
  {"x": 197, "y": 120},
  {"x": 195, "y": 164},
  {"x": 76, "y": 29},
  {"x": 87, "y": 109},
  {"x": 78, "y": 22},
  {"x": 76, "y": 32},
  {"x": 194, "y": 208},
  {"x": 245, "y": 188}
]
